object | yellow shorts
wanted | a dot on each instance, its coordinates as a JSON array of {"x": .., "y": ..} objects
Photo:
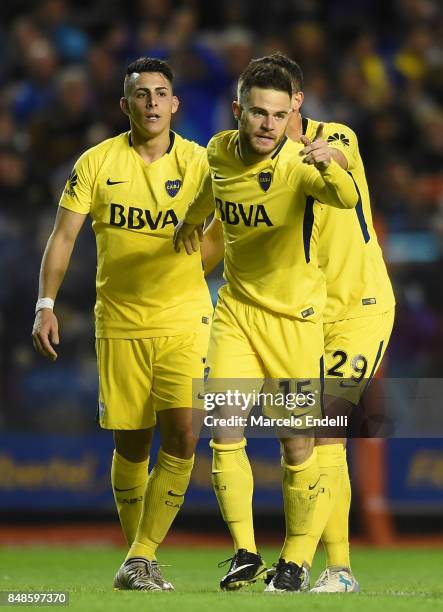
[
  {"x": 247, "y": 341},
  {"x": 353, "y": 351},
  {"x": 139, "y": 377},
  {"x": 249, "y": 344}
]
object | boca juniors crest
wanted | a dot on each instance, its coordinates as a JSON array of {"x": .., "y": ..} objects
[
  {"x": 265, "y": 180},
  {"x": 173, "y": 187}
]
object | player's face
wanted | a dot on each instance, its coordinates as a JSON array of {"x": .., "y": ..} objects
[
  {"x": 149, "y": 103},
  {"x": 262, "y": 120}
]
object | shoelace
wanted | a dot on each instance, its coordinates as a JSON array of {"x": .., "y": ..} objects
[
  {"x": 238, "y": 558},
  {"x": 323, "y": 578},
  {"x": 137, "y": 570},
  {"x": 271, "y": 573},
  {"x": 226, "y": 561},
  {"x": 283, "y": 566},
  {"x": 154, "y": 569}
]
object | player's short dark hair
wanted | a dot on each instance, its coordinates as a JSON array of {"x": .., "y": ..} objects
[
  {"x": 265, "y": 76},
  {"x": 150, "y": 64},
  {"x": 285, "y": 62}
]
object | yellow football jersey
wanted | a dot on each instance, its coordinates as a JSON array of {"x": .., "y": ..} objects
[
  {"x": 270, "y": 224},
  {"x": 357, "y": 281},
  {"x": 144, "y": 289}
]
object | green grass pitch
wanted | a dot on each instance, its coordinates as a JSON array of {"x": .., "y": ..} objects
[{"x": 404, "y": 579}]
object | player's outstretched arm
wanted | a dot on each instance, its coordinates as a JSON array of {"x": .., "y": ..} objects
[
  {"x": 213, "y": 246},
  {"x": 189, "y": 230},
  {"x": 333, "y": 186},
  {"x": 339, "y": 158},
  {"x": 52, "y": 271},
  {"x": 203, "y": 204}
]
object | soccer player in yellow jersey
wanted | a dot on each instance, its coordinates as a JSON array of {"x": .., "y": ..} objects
[
  {"x": 358, "y": 319},
  {"x": 152, "y": 312},
  {"x": 264, "y": 325}
]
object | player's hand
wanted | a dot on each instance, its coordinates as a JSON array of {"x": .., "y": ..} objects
[
  {"x": 189, "y": 235},
  {"x": 316, "y": 152},
  {"x": 45, "y": 333}
]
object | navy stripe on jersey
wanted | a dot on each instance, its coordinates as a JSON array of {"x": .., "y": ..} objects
[
  {"x": 304, "y": 125},
  {"x": 361, "y": 214},
  {"x": 171, "y": 141},
  {"x": 374, "y": 367},
  {"x": 280, "y": 147},
  {"x": 308, "y": 223},
  {"x": 322, "y": 385}
]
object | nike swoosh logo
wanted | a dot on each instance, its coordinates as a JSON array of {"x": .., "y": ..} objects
[
  {"x": 109, "y": 182},
  {"x": 238, "y": 569},
  {"x": 121, "y": 490},
  {"x": 310, "y": 487},
  {"x": 175, "y": 494}
]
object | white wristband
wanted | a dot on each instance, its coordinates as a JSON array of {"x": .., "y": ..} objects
[{"x": 44, "y": 303}]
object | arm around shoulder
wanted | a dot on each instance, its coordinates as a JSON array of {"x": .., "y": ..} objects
[
  {"x": 213, "y": 246},
  {"x": 203, "y": 204}
]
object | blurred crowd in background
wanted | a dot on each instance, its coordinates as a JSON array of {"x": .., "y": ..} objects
[{"x": 374, "y": 65}]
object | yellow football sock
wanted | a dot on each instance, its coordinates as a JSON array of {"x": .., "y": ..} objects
[
  {"x": 331, "y": 459},
  {"x": 233, "y": 485},
  {"x": 335, "y": 536},
  {"x": 164, "y": 494},
  {"x": 128, "y": 484},
  {"x": 300, "y": 491}
]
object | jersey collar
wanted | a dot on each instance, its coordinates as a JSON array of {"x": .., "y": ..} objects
[
  {"x": 304, "y": 125},
  {"x": 273, "y": 156},
  {"x": 171, "y": 141},
  {"x": 280, "y": 147}
]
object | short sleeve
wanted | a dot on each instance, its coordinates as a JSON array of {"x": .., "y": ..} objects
[
  {"x": 77, "y": 194},
  {"x": 199, "y": 165}
]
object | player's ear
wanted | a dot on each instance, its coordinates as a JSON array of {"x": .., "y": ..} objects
[
  {"x": 175, "y": 104},
  {"x": 236, "y": 109},
  {"x": 297, "y": 100},
  {"x": 125, "y": 106}
]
